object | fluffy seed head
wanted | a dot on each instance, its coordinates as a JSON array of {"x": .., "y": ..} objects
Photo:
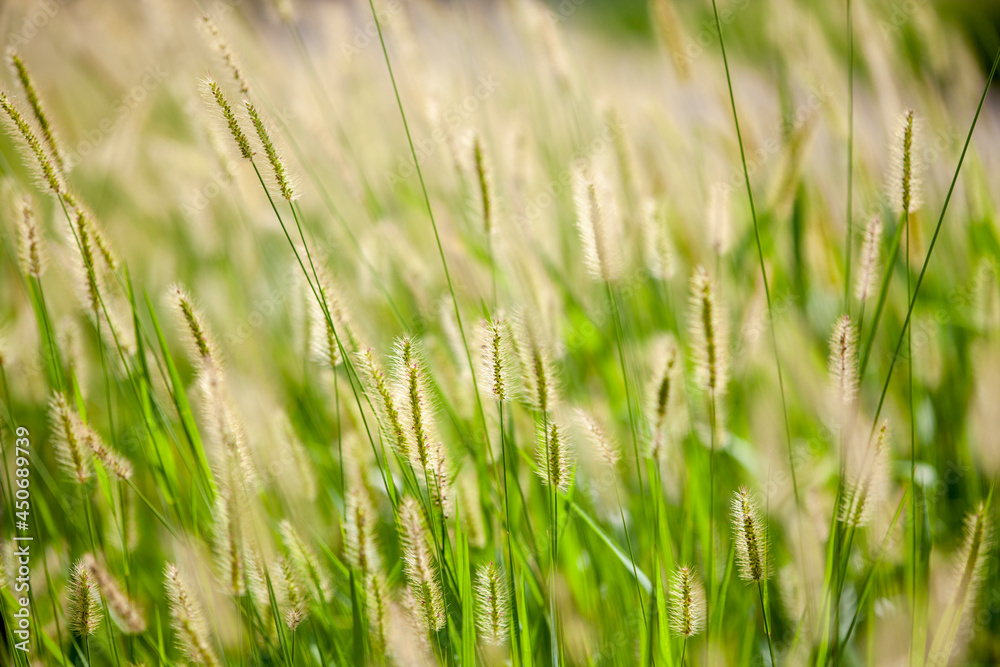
[
  {"x": 537, "y": 370},
  {"x": 555, "y": 461},
  {"x": 41, "y": 118},
  {"x": 224, "y": 430},
  {"x": 719, "y": 221},
  {"x": 17, "y": 125},
  {"x": 31, "y": 250},
  {"x": 659, "y": 249},
  {"x": 905, "y": 168},
  {"x": 496, "y": 358},
  {"x": 750, "y": 534},
  {"x": 975, "y": 549},
  {"x": 360, "y": 532},
  {"x": 294, "y": 608},
  {"x": 389, "y": 420},
  {"x": 484, "y": 181},
  {"x": 423, "y": 584},
  {"x": 598, "y": 436},
  {"x": 228, "y": 538},
  {"x": 868, "y": 275},
  {"x": 493, "y": 605},
  {"x": 120, "y": 466},
  {"x": 687, "y": 603},
  {"x": 187, "y": 620},
  {"x": 597, "y": 223},
  {"x": 220, "y": 44},
  {"x": 87, "y": 267},
  {"x": 378, "y": 607},
  {"x": 424, "y": 446},
  {"x": 126, "y": 612},
  {"x": 69, "y": 435},
  {"x": 709, "y": 335},
  {"x": 665, "y": 413},
  {"x": 278, "y": 170},
  {"x": 83, "y": 608},
  {"x": 191, "y": 322},
  {"x": 305, "y": 563},
  {"x": 867, "y": 489},
  {"x": 844, "y": 360},
  {"x": 242, "y": 142}
]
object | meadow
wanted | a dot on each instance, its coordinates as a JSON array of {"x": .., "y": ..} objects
[{"x": 405, "y": 332}]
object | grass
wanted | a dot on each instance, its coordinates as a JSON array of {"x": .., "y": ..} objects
[{"x": 374, "y": 351}]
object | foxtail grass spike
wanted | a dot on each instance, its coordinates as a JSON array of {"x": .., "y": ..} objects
[
  {"x": 120, "y": 466},
  {"x": 597, "y": 223},
  {"x": 869, "y": 269},
  {"x": 750, "y": 534},
  {"x": 867, "y": 490},
  {"x": 278, "y": 170},
  {"x": 497, "y": 360},
  {"x": 68, "y": 433},
  {"x": 218, "y": 42},
  {"x": 46, "y": 170},
  {"x": 31, "y": 251},
  {"x": 687, "y": 603},
  {"x": 41, "y": 117},
  {"x": 844, "y": 360},
  {"x": 83, "y": 608},
  {"x": 423, "y": 584},
  {"x": 555, "y": 461},
  {"x": 126, "y": 612},
  {"x": 709, "y": 334},
  {"x": 387, "y": 413},
  {"x": 493, "y": 605},
  {"x": 242, "y": 142},
  {"x": 905, "y": 169},
  {"x": 187, "y": 619}
]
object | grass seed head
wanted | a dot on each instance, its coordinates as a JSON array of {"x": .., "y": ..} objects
[
  {"x": 69, "y": 433},
  {"x": 361, "y": 533},
  {"x": 242, "y": 142},
  {"x": 868, "y": 275},
  {"x": 750, "y": 534},
  {"x": 687, "y": 603},
  {"x": 126, "y": 612},
  {"x": 120, "y": 466},
  {"x": 555, "y": 460},
  {"x": 83, "y": 608},
  {"x": 905, "y": 168},
  {"x": 659, "y": 249},
  {"x": 423, "y": 585},
  {"x": 497, "y": 362},
  {"x": 866, "y": 491},
  {"x": 278, "y": 170},
  {"x": 191, "y": 322},
  {"x": 709, "y": 334},
  {"x": 41, "y": 117},
  {"x": 35, "y": 152},
  {"x": 493, "y": 605},
  {"x": 844, "y": 360},
  {"x": 666, "y": 414},
  {"x": 219, "y": 43},
  {"x": 598, "y": 436},
  {"x": 597, "y": 223},
  {"x": 31, "y": 250},
  {"x": 383, "y": 396},
  {"x": 187, "y": 619}
]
